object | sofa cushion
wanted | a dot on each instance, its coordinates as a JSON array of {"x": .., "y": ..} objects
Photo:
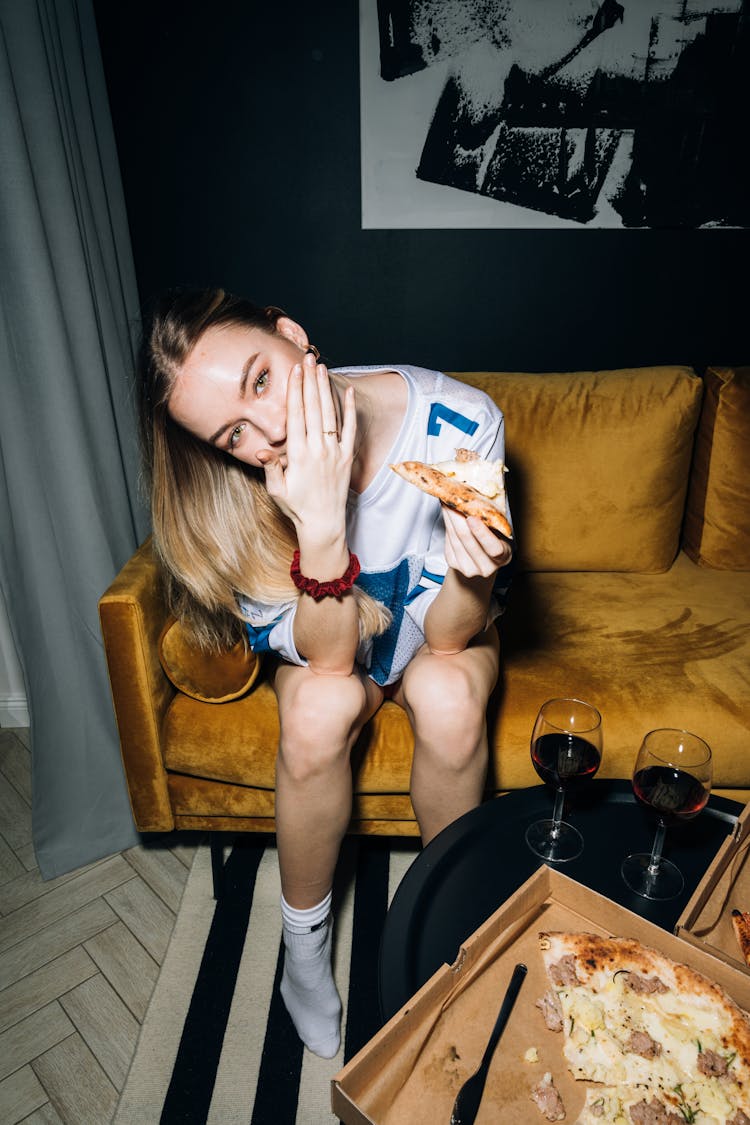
[
  {"x": 717, "y": 518},
  {"x": 237, "y": 743},
  {"x": 598, "y": 464},
  {"x": 209, "y": 677},
  {"x": 647, "y": 649}
]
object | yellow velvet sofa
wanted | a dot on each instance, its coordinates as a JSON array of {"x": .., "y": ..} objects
[{"x": 630, "y": 491}]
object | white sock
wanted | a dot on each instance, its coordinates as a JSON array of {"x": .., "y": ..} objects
[{"x": 307, "y": 984}]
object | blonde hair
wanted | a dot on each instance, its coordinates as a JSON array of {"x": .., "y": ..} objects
[{"x": 216, "y": 531}]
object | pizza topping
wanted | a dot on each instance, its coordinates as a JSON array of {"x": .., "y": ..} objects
[
  {"x": 550, "y": 1007},
  {"x": 647, "y": 985},
  {"x": 547, "y": 1098},
  {"x": 563, "y": 972},
  {"x": 485, "y": 476},
  {"x": 710, "y": 1063},
  {"x": 641, "y": 1043},
  {"x": 654, "y": 1112},
  {"x": 739, "y": 1118},
  {"x": 603, "y": 1104}
]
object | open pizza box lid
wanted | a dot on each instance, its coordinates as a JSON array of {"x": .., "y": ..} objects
[
  {"x": 706, "y": 921},
  {"x": 412, "y": 1069}
]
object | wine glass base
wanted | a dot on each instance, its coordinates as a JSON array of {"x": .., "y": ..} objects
[
  {"x": 555, "y": 843},
  {"x": 667, "y": 882}
]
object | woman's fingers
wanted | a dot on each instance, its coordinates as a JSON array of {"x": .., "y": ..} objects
[
  {"x": 349, "y": 422},
  {"x": 311, "y": 399},
  {"x": 274, "y": 477},
  {"x": 470, "y": 546},
  {"x": 328, "y": 413},
  {"x": 313, "y": 486},
  {"x": 492, "y": 545},
  {"x": 311, "y": 405},
  {"x": 295, "y": 410}
]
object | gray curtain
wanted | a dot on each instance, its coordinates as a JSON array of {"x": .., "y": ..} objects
[{"x": 69, "y": 510}]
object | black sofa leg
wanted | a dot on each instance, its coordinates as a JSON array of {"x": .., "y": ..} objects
[{"x": 216, "y": 843}]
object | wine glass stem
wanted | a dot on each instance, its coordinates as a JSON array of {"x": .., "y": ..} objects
[
  {"x": 656, "y": 850},
  {"x": 557, "y": 813}
]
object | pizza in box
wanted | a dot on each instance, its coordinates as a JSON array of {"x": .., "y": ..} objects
[{"x": 654, "y": 1041}]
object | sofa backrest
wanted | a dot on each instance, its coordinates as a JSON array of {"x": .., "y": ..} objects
[{"x": 598, "y": 464}]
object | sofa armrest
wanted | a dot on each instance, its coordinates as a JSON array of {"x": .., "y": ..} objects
[{"x": 132, "y": 613}]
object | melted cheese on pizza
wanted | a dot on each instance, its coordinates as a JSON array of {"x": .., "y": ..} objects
[
  {"x": 643, "y": 1039},
  {"x": 611, "y": 1105},
  {"x": 608, "y": 1030},
  {"x": 486, "y": 476}
]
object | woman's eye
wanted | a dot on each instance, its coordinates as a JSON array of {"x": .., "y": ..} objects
[
  {"x": 261, "y": 382},
  {"x": 235, "y": 435}
]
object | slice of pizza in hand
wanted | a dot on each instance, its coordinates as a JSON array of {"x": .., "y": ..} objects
[
  {"x": 660, "y": 1043},
  {"x": 469, "y": 485}
]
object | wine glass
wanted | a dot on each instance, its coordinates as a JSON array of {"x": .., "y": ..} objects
[
  {"x": 566, "y": 748},
  {"x": 671, "y": 777}
]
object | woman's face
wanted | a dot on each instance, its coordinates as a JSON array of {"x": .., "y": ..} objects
[{"x": 231, "y": 391}]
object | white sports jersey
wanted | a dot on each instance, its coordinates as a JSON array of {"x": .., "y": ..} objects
[{"x": 395, "y": 529}]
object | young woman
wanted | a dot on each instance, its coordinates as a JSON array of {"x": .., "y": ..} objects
[{"x": 274, "y": 507}]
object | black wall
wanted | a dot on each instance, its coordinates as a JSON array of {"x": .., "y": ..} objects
[{"x": 237, "y": 126}]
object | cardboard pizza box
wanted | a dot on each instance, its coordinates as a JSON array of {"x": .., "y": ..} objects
[
  {"x": 412, "y": 1069},
  {"x": 706, "y": 921}
]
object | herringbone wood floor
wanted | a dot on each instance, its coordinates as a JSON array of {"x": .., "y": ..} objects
[{"x": 79, "y": 957}]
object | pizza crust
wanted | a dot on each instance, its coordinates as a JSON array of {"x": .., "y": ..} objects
[{"x": 741, "y": 925}]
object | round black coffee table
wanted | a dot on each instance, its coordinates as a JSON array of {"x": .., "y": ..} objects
[{"x": 476, "y": 863}]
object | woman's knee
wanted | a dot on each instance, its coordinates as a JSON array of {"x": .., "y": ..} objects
[
  {"x": 449, "y": 705},
  {"x": 320, "y": 719}
]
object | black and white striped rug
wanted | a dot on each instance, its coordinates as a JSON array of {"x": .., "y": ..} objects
[{"x": 217, "y": 1045}]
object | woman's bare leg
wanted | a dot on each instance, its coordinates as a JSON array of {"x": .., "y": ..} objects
[
  {"x": 446, "y": 700},
  {"x": 321, "y": 717}
]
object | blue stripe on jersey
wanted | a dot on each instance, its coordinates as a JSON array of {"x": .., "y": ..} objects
[
  {"x": 414, "y": 593},
  {"x": 259, "y": 635},
  {"x": 392, "y": 588},
  {"x": 440, "y": 413}
]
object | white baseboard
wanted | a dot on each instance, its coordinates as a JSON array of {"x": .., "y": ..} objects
[{"x": 14, "y": 711}]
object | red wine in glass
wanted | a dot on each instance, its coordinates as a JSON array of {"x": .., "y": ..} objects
[
  {"x": 672, "y": 778},
  {"x": 673, "y": 794},
  {"x": 566, "y": 750},
  {"x": 562, "y": 760}
]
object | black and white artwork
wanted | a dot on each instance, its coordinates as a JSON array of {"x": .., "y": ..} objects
[{"x": 555, "y": 113}]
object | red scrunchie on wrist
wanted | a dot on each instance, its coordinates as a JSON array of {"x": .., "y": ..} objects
[{"x": 318, "y": 590}]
